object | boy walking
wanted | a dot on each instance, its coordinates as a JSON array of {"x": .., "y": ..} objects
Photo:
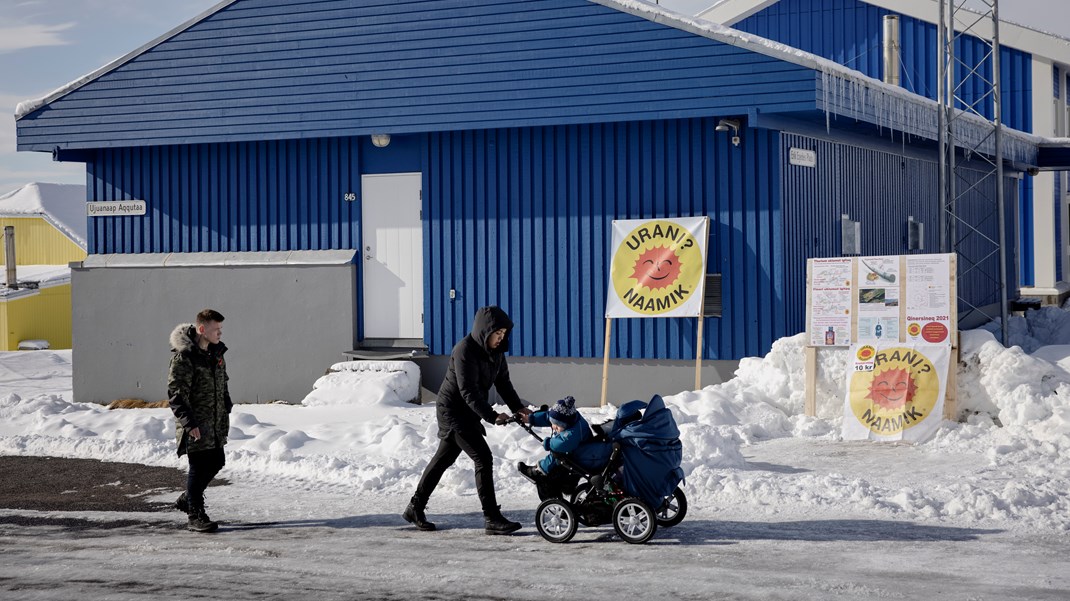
[{"x": 198, "y": 396}]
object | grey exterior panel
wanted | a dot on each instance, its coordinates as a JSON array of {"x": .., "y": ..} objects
[{"x": 279, "y": 340}]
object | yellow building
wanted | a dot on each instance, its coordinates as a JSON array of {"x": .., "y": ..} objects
[{"x": 49, "y": 224}]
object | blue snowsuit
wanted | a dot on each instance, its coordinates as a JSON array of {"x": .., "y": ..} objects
[{"x": 576, "y": 441}]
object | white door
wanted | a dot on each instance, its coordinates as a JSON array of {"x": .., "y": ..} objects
[{"x": 393, "y": 256}]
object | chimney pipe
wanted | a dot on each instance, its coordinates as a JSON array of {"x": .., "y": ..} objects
[
  {"x": 891, "y": 49},
  {"x": 9, "y": 254}
]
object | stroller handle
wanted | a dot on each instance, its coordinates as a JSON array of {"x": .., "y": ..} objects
[{"x": 516, "y": 418}]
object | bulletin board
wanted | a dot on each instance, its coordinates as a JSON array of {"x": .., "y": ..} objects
[{"x": 871, "y": 301}]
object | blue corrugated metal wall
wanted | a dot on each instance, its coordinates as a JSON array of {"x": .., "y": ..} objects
[
  {"x": 880, "y": 189},
  {"x": 262, "y": 196},
  {"x": 521, "y": 218},
  {"x": 851, "y": 32},
  {"x": 982, "y": 287},
  {"x": 844, "y": 31},
  {"x": 246, "y": 196},
  {"x": 275, "y": 69}
]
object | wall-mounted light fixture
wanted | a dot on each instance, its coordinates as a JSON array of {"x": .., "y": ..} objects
[
  {"x": 731, "y": 125},
  {"x": 380, "y": 140}
]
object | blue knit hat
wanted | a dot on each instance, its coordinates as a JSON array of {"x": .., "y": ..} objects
[{"x": 563, "y": 414}]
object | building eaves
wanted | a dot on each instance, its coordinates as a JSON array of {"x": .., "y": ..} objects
[{"x": 849, "y": 93}]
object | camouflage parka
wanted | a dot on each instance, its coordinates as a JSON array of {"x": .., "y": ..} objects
[{"x": 197, "y": 391}]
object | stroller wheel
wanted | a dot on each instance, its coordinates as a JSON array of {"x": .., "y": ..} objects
[
  {"x": 634, "y": 520},
  {"x": 556, "y": 521},
  {"x": 673, "y": 510}
]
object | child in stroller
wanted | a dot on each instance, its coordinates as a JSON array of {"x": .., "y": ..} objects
[
  {"x": 571, "y": 437},
  {"x": 635, "y": 487}
]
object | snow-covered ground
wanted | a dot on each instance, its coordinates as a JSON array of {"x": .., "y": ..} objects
[{"x": 780, "y": 505}]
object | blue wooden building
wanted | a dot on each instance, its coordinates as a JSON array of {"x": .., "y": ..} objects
[
  {"x": 1035, "y": 80},
  {"x": 345, "y": 173}
]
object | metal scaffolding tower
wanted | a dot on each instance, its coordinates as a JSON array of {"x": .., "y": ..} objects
[{"x": 963, "y": 231}]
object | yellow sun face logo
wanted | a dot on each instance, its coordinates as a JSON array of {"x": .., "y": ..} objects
[
  {"x": 657, "y": 268},
  {"x": 892, "y": 388}
]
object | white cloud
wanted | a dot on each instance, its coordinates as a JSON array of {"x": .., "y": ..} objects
[{"x": 21, "y": 37}]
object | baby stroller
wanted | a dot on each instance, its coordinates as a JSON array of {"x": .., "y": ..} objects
[{"x": 637, "y": 489}]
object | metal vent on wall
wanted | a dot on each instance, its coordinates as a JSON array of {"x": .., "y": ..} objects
[{"x": 711, "y": 304}]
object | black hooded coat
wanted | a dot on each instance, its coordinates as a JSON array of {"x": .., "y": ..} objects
[{"x": 463, "y": 398}]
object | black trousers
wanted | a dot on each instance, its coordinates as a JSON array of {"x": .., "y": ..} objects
[
  {"x": 449, "y": 448},
  {"x": 203, "y": 466}
]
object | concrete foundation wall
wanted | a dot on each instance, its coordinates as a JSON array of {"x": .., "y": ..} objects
[
  {"x": 285, "y": 325},
  {"x": 541, "y": 380}
]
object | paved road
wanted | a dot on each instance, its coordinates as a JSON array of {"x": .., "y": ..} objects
[{"x": 59, "y": 542}]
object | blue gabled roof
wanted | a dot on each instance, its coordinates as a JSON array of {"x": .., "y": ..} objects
[
  {"x": 270, "y": 69},
  {"x": 273, "y": 70}
]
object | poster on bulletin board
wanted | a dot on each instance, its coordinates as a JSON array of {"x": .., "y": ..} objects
[{"x": 878, "y": 299}]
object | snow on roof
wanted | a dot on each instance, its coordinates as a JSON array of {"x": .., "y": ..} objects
[
  {"x": 42, "y": 276},
  {"x": 62, "y": 205}
]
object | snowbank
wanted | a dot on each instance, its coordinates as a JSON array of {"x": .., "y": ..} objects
[
  {"x": 748, "y": 450},
  {"x": 366, "y": 383}
]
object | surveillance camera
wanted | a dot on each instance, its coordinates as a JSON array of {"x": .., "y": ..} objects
[{"x": 735, "y": 140}]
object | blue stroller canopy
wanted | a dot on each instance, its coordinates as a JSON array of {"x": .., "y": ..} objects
[{"x": 651, "y": 448}]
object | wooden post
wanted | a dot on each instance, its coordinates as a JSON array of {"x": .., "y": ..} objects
[
  {"x": 951, "y": 392},
  {"x": 698, "y": 355},
  {"x": 810, "y": 405},
  {"x": 605, "y": 361}
]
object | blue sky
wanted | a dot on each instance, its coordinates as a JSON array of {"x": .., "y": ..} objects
[{"x": 45, "y": 44}]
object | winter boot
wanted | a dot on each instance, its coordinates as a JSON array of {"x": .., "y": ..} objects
[
  {"x": 199, "y": 521},
  {"x": 496, "y": 523},
  {"x": 182, "y": 504},
  {"x": 531, "y": 472},
  {"x": 414, "y": 514}
]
